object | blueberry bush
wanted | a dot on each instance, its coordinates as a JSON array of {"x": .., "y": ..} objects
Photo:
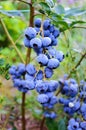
[{"x": 43, "y": 62}]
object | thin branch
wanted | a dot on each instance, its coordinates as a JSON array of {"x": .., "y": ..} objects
[
  {"x": 11, "y": 40},
  {"x": 23, "y": 111},
  {"x": 78, "y": 64},
  {"x": 42, "y": 123},
  {"x": 24, "y": 2}
]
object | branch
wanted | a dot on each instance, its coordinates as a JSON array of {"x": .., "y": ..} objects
[
  {"x": 11, "y": 40},
  {"x": 42, "y": 124},
  {"x": 24, "y": 2},
  {"x": 78, "y": 64}
]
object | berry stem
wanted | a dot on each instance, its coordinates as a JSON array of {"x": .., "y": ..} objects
[{"x": 42, "y": 123}]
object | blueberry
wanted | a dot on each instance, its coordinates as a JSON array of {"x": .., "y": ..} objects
[
  {"x": 27, "y": 42},
  {"x": 37, "y": 29},
  {"x": 52, "y": 51},
  {"x": 29, "y": 77},
  {"x": 35, "y": 43},
  {"x": 53, "y": 85},
  {"x": 46, "y": 33},
  {"x": 54, "y": 42},
  {"x": 42, "y": 98},
  {"x": 39, "y": 75},
  {"x": 73, "y": 90},
  {"x": 46, "y": 24},
  {"x": 83, "y": 125},
  {"x": 53, "y": 63},
  {"x": 17, "y": 82},
  {"x": 51, "y": 28},
  {"x": 53, "y": 100},
  {"x": 59, "y": 55},
  {"x": 48, "y": 72},
  {"x": 30, "y": 85},
  {"x": 12, "y": 70},
  {"x": 31, "y": 69},
  {"x": 30, "y": 33},
  {"x": 46, "y": 41},
  {"x": 83, "y": 108},
  {"x": 38, "y": 50},
  {"x": 37, "y": 22},
  {"x": 51, "y": 115},
  {"x": 41, "y": 86},
  {"x": 56, "y": 32},
  {"x": 21, "y": 68},
  {"x": 42, "y": 59}
]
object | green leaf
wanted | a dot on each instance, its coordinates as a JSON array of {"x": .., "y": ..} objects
[
  {"x": 59, "y": 9},
  {"x": 2, "y": 61},
  {"x": 74, "y": 12},
  {"x": 52, "y": 124},
  {"x": 45, "y": 7},
  {"x": 77, "y": 22},
  {"x": 50, "y": 3},
  {"x": 62, "y": 25},
  {"x": 61, "y": 124},
  {"x": 12, "y": 13}
]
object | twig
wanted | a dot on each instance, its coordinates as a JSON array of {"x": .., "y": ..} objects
[
  {"x": 79, "y": 62},
  {"x": 42, "y": 123},
  {"x": 11, "y": 40},
  {"x": 61, "y": 87},
  {"x": 24, "y": 2}
]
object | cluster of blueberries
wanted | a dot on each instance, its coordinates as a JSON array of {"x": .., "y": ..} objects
[
  {"x": 41, "y": 38},
  {"x": 76, "y": 124},
  {"x": 73, "y": 100},
  {"x": 69, "y": 93}
]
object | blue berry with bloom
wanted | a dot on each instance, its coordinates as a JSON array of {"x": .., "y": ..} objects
[
  {"x": 42, "y": 98},
  {"x": 83, "y": 125},
  {"x": 51, "y": 115},
  {"x": 46, "y": 24},
  {"x": 21, "y": 68},
  {"x": 46, "y": 33},
  {"x": 48, "y": 72},
  {"x": 46, "y": 41},
  {"x": 39, "y": 75},
  {"x": 51, "y": 28},
  {"x": 53, "y": 85},
  {"x": 42, "y": 59},
  {"x": 41, "y": 86},
  {"x": 29, "y": 84},
  {"x": 59, "y": 55},
  {"x": 27, "y": 42},
  {"x": 12, "y": 70},
  {"x": 35, "y": 43},
  {"x": 30, "y": 68},
  {"x": 30, "y": 33},
  {"x": 53, "y": 63},
  {"x": 56, "y": 32},
  {"x": 29, "y": 77},
  {"x": 37, "y": 22}
]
